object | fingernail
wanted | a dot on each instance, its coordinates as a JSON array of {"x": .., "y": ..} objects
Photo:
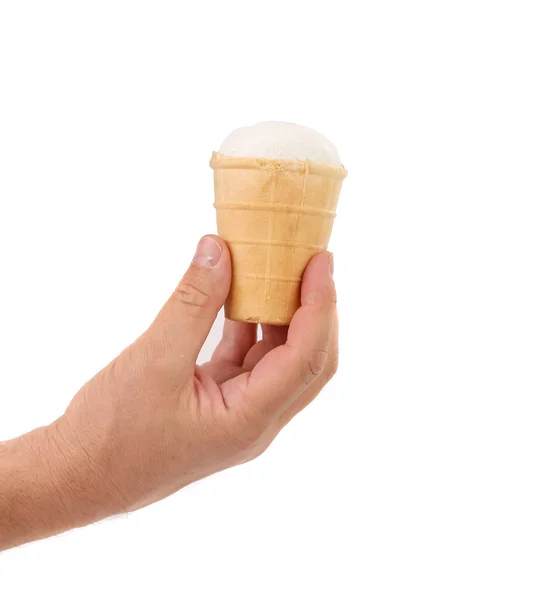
[
  {"x": 208, "y": 253},
  {"x": 331, "y": 262}
]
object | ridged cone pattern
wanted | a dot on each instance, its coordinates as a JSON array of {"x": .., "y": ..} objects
[{"x": 274, "y": 215}]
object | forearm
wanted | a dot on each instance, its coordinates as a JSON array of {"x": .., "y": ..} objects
[{"x": 46, "y": 487}]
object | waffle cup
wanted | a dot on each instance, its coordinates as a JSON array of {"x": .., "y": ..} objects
[{"x": 274, "y": 215}]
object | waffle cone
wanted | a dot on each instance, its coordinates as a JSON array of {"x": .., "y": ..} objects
[{"x": 274, "y": 215}]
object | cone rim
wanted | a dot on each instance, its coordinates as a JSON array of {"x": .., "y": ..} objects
[{"x": 221, "y": 161}]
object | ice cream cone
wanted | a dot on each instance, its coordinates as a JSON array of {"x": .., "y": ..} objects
[{"x": 274, "y": 215}]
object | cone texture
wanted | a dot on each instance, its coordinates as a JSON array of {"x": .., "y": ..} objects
[{"x": 274, "y": 215}]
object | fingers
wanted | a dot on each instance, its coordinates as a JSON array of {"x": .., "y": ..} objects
[
  {"x": 288, "y": 370},
  {"x": 272, "y": 336},
  {"x": 239, "y": 352},
  {"x": 237, "y": 340},
  {"x": 187, "y": 317},
  {"x": 315, "y": 388},
  {"x": 276, "y": 334},
  {"x": 221, "y": 372}
]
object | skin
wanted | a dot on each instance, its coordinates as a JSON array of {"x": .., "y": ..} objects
[{"x": 152, "y": 421}]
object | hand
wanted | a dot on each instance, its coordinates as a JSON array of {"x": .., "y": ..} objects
[{"x": 152, "y": 421}]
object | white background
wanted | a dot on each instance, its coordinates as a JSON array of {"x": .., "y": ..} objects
[{"x": 412, "y": 476}]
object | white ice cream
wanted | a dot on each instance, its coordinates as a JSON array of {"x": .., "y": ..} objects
[{"x": 285, "y": 141}]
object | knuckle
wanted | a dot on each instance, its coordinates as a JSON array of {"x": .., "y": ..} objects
[
  {"x": 313, "y": 365},
  {"x": 332, "y": 366},
  {"x": 190, "y": 293},
  {"x": 334, "y": 296},
  {"x": 154, "y": 351},
  {"x": 245, "y": 442},
  {"x": 258, "y": 450},
  {"x": 250, "y": 430},
  {"x": 149, "y": 357},
  {"x": 325, "y": 298}
]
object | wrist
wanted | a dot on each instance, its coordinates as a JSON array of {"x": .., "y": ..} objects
[
  {"x": 82, "y": 477},
  {"x": 48, "y": 485},
  {"x": 31, "y": 503}
]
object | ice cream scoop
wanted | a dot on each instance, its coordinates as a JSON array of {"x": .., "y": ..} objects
[
  {"x": 276, "y": 191},
  {"x": 283, "y": 141}
]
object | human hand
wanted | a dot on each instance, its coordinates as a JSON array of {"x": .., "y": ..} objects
[{"x": 152, "y": 421}]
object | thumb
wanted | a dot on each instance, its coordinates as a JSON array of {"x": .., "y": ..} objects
[{"x": 187, "y": 317}]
